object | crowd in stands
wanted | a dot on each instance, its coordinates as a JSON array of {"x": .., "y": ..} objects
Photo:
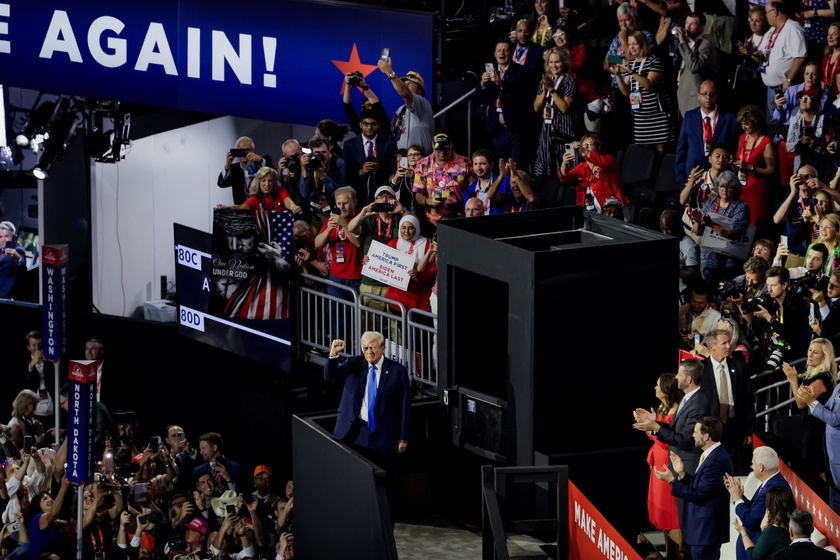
[
  {"x": 736, "y": 104},
  {"x": 165, "y": 497}
]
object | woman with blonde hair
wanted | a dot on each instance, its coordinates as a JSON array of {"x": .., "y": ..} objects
[
  {"x": 23, "y": 422},
  {"x": 267, "y": 194},
  {"x": 820, "y": 375},
  {"x": 830, "y": 237},
  {"x": 640, "y": 78},
  {"x": 555, "y": 96}
]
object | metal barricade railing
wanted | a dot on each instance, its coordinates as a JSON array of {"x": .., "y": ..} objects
[
  {"x": 410, "y": 336},
  {"x": 775, "y": 400},
  {"x": 322, "y": 317},
  {"x": 422, "y": 348}
]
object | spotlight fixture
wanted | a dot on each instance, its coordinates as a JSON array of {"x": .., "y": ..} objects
[
  {"x": 57, "y": 139},
  {"x": 40, "y": 119}
]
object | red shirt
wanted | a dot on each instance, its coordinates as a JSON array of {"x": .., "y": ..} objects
[
  {"x": 604, "y": 179},
  {"x": 346, "y": 257},
  {"x": 268, "y": 203}
]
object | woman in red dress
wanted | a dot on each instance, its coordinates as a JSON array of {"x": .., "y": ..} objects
[
  {"x": 662, "y": 507},
  {"x": 755, "y": 161}
]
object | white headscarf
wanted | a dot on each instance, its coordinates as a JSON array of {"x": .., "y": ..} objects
[{"x": 418, "y": 243}]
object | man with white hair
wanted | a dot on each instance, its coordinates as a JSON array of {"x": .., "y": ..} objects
[
  {"x": 238, "y": 177},
  {"x": 765, "y": 467},
  {"x": 12, "y": 260},
  {"x": 375, "y": 409}
]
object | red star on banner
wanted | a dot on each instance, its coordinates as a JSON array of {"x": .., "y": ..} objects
[{"x": 353, "y": 65}]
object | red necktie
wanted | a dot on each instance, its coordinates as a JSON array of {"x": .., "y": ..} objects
[
  {"x": 24, "y": 499},
  {"x": 707, "y": 129}
]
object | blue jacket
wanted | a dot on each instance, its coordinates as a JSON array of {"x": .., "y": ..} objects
[
  {"x": 690, "y": 146},
  {"x": 393, "y": 400},
  {"x": 705, "y": 518}
]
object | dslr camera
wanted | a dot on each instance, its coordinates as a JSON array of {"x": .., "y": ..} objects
[
  {"x": 316, "y": 161},
  {"x": 293, "y": 164},
  {"x": 732, "y": 290},
  {"x": 751, "y": 306},
  {"x": 777, "y": 347},
  {"x": 804, "y": 284},
  {"x": 355, "y": 78}
]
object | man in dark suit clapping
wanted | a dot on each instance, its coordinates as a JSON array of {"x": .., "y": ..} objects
[{"x": 705, "y": 518}]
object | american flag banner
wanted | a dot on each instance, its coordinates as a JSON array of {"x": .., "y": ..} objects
[{"x": 263, "y": 293}]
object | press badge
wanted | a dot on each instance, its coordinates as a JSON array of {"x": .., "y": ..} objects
[
  {"x": 339, "y": 253},
  {"x": 635, "y": 100},
  {"x": 742, "y": 177},
  {"x": 707, "y": 148},
  {"x": 548, "y": 114}
]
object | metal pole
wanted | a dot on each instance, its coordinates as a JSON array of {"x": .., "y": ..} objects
[
  {"x": 469, "y": 126},
  {"x": 454, "y": 103},
  {"x": 80, "y": 515},
  {"x": 56, "y": 400}
]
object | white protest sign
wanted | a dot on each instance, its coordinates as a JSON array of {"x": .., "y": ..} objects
[
  {"x": 387, "y": 265},
  {"x": 738, "y": 248}
]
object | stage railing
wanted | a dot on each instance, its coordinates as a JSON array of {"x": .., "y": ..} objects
[
  {"x": 775, "y": 399},
  {"x": 410, "y": 335}
]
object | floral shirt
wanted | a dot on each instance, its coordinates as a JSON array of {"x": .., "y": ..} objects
[{"x": 448, "y": 182}]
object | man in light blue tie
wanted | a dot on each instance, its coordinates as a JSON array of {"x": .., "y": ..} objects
[{"x": 375, "y": 409}]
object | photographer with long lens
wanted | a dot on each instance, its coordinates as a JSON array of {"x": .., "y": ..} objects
[
  {"x": 786, "y": 334},
  {"x": 321, "y": 173},
  {"x": 803, "y": 279},
  {"x": 288, "y": 171}
]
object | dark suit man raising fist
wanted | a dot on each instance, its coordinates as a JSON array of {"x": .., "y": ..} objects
[{"x": 375, "y": 409}]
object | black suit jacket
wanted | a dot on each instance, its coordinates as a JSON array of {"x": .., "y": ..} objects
[
  {"x": 393, "y": 400},
  {"x": 794, "y": 329},
  {"x": 679, "y": 435},
  {"x": 355, "y": 157},
  {"x": 236, "y": 180},
  {"x": 743, "y": 424},
  {"x": 514, "y": 95},
  {"x": 831, "y": 325},
  {"x": 803, "y": 551}
]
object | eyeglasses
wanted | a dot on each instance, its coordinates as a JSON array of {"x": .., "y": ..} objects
[
  {"x": 806, "y": 176},
  {"x": 369, "y": 124},
  {"x": 559, "y": 34},
  {"x": 807, "y": 98},
  {"x": 706, "y": 93},
  {"x": 730, "y": 187},
  {"x": 589, "y": 144},
  {"x": 831, "y": 285}
]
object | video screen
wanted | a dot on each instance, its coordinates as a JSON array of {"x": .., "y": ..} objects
[{"x": 233, "y": 285}]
